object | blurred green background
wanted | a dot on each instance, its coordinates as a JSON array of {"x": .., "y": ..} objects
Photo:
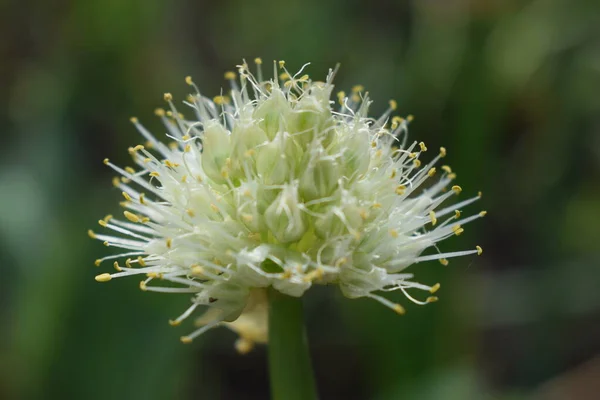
[{"x": 511, "y": 88}]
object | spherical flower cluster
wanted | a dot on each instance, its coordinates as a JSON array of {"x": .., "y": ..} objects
[{"x": 275, "y": 185}]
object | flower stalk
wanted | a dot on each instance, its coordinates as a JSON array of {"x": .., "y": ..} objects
[{"x": 290, "y": 368}]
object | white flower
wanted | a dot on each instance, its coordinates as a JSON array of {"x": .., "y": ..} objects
[{"x": 276, "y": 186}]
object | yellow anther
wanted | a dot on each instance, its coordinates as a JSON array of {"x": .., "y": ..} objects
[
  {"x": 396, "y": 121},
  {"x": 373, "y": 144},
  {"x": 247, "y": 217},
  {"x": 106, "y": 243},
  {"x": 417, "y": 163},
  {"x": 190, "y": 98},
  {"x": 197, "y": 270},
  {"x": 130, "y": 170},
  {"x": 434, "y": 288},
  {"x": 91, "y": 234},
  {"x": 457, "y": 189},
  {"x": 174, "y": 322},
  {"x": 214, "y": 207},
  {"x": 131, "y": 216},
  {"x": 125, "y": 180},
  {"x": 400, "y": 189},
  {"x": 190, "y": 212},
  {"x": 393, "y": 233},
  {"x": 483, "y": 213},
  {"x": 457, "y": 230},
  {"x": 153, "y": 275},
  {"x": 143, "y": 286},
  {"x": 393, "y": 174},
  {"x": 159, "y": 112},
  {"x": 452, "y": 176},
  {"x": 220, "y": 100},
  {"x": 442, "y": 152},
  {"x": 443, "y": 261},
  {"x": 409, "y": 118},
  {"x": 376, "y": 205},
  {"x": 431, "y": 172},
  {"x": 457, "y": 214},
  {"x": 357, "y": 88},
  {"x": 479, "y": 250},
  {"x": 133, "y": 120},
  {"x": 116, "y": 182},
  {"x": 154, "y": 174},
  {"x": 169, "y": 242},
  {"x": 432, "y": 217},
  {"x": 103, "y": 278},
  {"x": 284, "y": 76},
  {"x": 249, "y": 153},
  {"x": 141, "y": 261},
  {"x": 106, "y": 161},
  {"x": 281, "y": 63},
  {"x": 102, "y": 223},
  {"x": 168, "y": 96},
  {"x": 399, "y": 309},
  {"x": 126, "y": 195},
  {"x": 258, "y": 61},
  {"x": 97, "y": 262},
  {"x": 363, "y": 214},
  {"x": 341, "y": 95},
  {"x": 117, "y": 266},
  {"x": 447, "y": 169},
  {"x": 355, "y": 98},
  {"x": 230, "y": 75},
  {"x": 432, "y": 299},
  {"x": 128, "y": 263},
  {"x": 185, "y": 339},
  {"x": 412, "y": 155},
  {"x": 422, "y": 146},
  {"x": 145, "y": 219},
  {"x": 393, "y": 104},
  {"x": 124, "y": 203},
  {"x": 187, "y": 148},
  {"x": 188, "y": 80}
]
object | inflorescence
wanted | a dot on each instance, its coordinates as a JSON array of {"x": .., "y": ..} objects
[{"x": 277, "y": 185}]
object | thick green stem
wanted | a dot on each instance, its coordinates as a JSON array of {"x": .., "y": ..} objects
[{"x": 289, "y": 360}]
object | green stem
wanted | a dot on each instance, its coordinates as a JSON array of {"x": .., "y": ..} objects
[{"x": 289, "y": 360}]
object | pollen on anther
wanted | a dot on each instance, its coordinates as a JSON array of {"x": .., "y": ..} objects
[
  {"x": 133, "y": 120},
  {"x": 393, "y": 104},
  {"x": 106, "y": 161},
  {"x": 457, "y": 230},
  {"x": 431, "y": 172},
  {"x": 479, "y": 250},
  {"x": 174, "y": 322},
  {"x": 230, "y": 75},
  {"x": 422, "y": 146},
  {"x": 432, "y": 299},
  {"x": 432, "y": 217},
  {"x": 186, "y": 339},
  {"x": 168, "y": 96},
  {"x": 188, "y": 80},
  {"x": 444, "y": 261},
  {"x": 103, "y": 278},
  {"x": 91, "y": 234},
  {"x": 442, "y": 152},
  {"x": 457, "y": 189},
  {"x": 399, "y": 309},
  {"x": 131, "y": 216},
  {"x": 434, "y": 288},
  {"x": 483, "y": 213}
]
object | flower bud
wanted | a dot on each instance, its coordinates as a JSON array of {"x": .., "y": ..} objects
[
  {"x": 215, "y": 151},
  {"x": 284, "y": 217}
]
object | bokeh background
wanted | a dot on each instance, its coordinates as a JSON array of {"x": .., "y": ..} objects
[{"x": 510, "y": 87}]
